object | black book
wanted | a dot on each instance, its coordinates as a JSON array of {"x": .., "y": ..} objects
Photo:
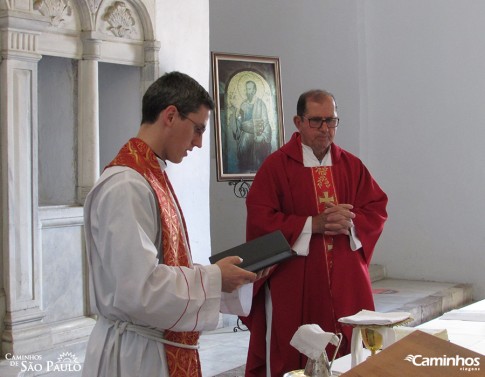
[{"x": 259, "y": 253}]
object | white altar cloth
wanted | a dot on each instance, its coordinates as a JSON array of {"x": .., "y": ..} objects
[{"x": 465, "y": 333}]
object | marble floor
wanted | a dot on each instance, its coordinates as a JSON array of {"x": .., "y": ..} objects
[
  {"x": 224, "y": 349},
  {"x": 220, "y": 350}
]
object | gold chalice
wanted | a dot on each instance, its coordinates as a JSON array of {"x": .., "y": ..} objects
[
  {"x": 369, "y": 326},
  {"x": 372, "y": 339}
]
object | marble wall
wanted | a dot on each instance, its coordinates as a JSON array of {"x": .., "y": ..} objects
[
  {"x": 50, "y": 53},
  {"x": 63, "y": 264}
]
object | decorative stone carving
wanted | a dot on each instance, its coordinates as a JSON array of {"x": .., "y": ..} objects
[
  {"x": 23, "y": 42},
  {"x": 56, "y": 10},
  {"x": 93, "y": 5},
  {"x": 119, "y": 17}
]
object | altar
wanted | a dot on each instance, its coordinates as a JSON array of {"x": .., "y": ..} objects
[{"x": 465, "y": 327}]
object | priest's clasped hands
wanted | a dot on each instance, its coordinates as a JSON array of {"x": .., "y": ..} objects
[{"x": 335, "y": 219}]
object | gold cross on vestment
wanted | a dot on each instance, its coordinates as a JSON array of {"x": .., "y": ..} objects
[{"x": 326, "y": 198}]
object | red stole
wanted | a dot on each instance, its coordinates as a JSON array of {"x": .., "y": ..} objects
[
  {"x": 325, "y": 193},
  {"x": 137, "y": 155}
]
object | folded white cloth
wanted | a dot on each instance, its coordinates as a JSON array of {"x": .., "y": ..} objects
[
  {"x": 465, "y": 315},
  {"x": 369, "y": 317},
  {"x": 401, "y": 332},
  {"x": 357, "y": 348},
  {"x": 311, "y": 340}
]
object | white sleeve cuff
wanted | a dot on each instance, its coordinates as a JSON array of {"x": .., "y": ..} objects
[
  {"x": 302, "y": 244},
  {"x": 355, "y": 243}
]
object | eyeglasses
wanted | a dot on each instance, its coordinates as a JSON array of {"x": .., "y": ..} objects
[
  {"x": 198, "y": 128},
  {"x": 318, "y": 122}
]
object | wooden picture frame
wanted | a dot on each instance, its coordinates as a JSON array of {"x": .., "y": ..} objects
[{"x": 248, "y": 117}]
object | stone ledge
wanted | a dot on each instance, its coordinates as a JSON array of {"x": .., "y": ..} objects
[{"x": 425, "y": 300}]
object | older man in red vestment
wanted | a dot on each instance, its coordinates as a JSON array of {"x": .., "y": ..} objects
[{"x": 332, "y": 212}]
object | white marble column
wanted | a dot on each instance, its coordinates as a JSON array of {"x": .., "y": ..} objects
[
  {"x": 150, "y": 71},
  {"x": 88, "y": 117},
  {"x": 23, "y": 330}
]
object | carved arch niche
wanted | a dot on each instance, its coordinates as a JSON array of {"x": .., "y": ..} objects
[
  {"x": 52, "y": 49},
  {"x": 92, "y": 32}
]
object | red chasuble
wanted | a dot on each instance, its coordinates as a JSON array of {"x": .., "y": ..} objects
[
  {"x": 309, "y": 289},
  {"x": 137, "y": 155}
]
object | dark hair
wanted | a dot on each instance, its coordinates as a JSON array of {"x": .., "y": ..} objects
[
  {"x": 316, "y": 95},
  {"x": 174, "y": 88}
]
